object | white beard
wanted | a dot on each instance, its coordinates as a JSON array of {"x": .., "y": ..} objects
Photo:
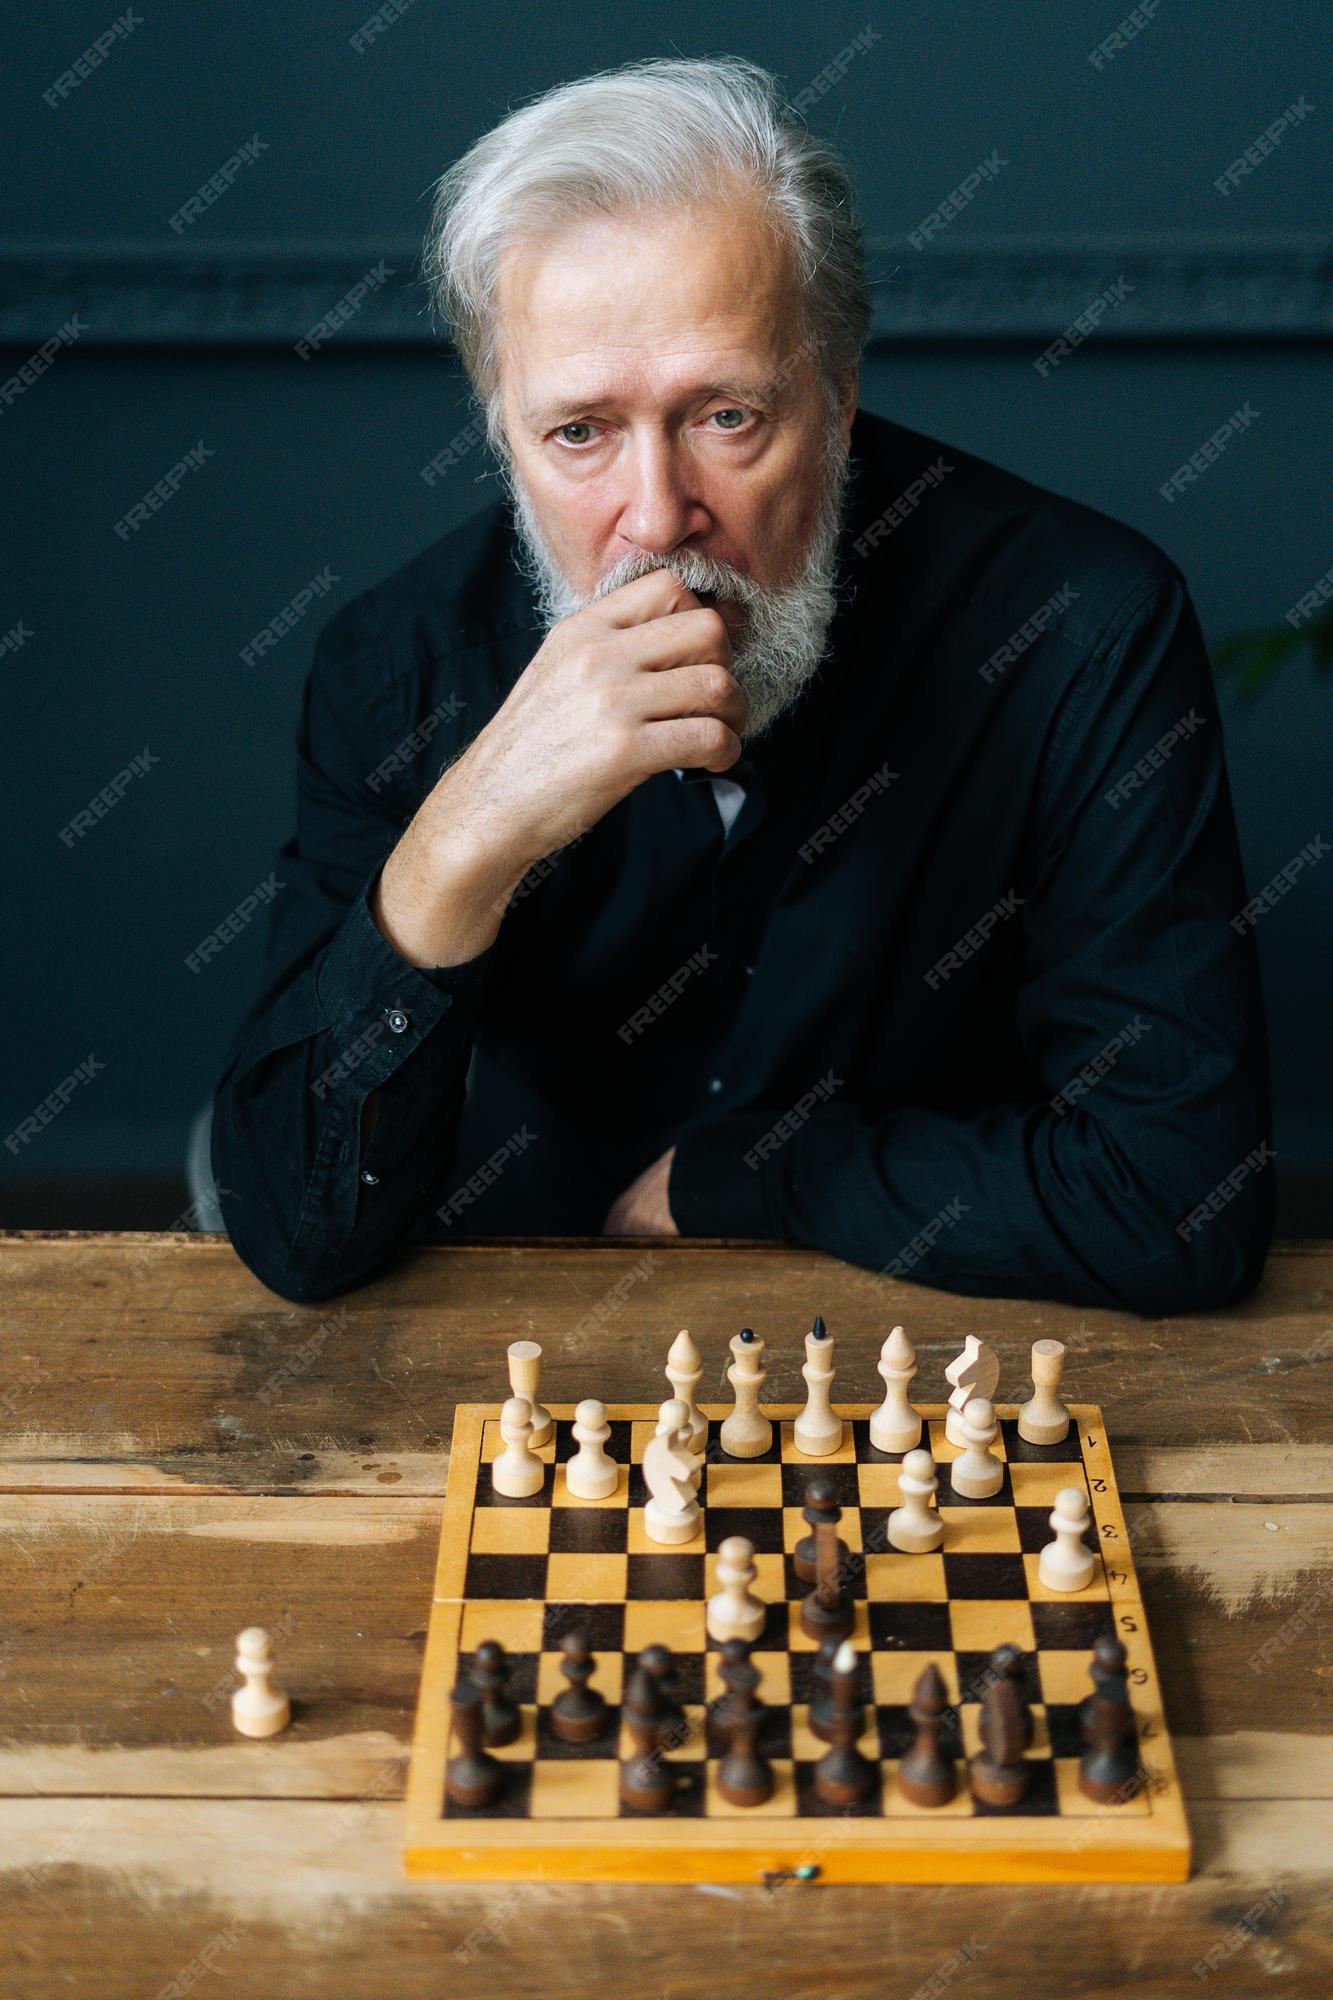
[{"x": 785, "y": 635}]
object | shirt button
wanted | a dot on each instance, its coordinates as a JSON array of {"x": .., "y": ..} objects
[
  {"x": 714, "y": 1084},
  {"x": 397, "y": 1020},
  {"x": 369, "y": 1179},
  {"x": 749, "y": 971}
]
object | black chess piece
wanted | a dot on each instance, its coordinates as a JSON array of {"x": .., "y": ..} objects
[
  {"x": 736, "y": 1673},
  {"x": 578, "y": 1713},
  {"x": 472, "y": 1777},
  {"x": 1010, "y": 1663},
  {"x": 999, "y": 1774},
  {"x": 501, "y": 1717},
  {"x": 819, "y": 1714},
  {"x": 843, "y": 1777},
  {"x": 647, "y": 1781},
  {"x": 828, "y": 1610},
  {"x": 1108, "y": 1770},
  {"x": 660, "y": 1662},
  {"x": 926, "y": 1776},
  {"x": 745, "y": 1776},
  {"x": 1108, "y": 1671},
  {"x": 821, "y": 1504}
]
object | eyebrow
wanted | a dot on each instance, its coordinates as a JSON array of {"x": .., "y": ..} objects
[{"x": 760, "y": 394}]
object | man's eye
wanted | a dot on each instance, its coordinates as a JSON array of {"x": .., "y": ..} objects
[
  {"x": 741, "y": 414},
  {"x": 577, "y": 425}
]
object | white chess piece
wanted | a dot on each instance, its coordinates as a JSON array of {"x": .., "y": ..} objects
[
  {"x": 817, "y": 1431},
  {"x": 915, "y": 1527},
  {"x": 525, "y": 1378},
  {"x": 976, "y": 1473},
  {"x": 974, "y": 1372},
  {"x": 590, "y": 1474},
  {"x": 518, "y": 1472},
  {"x": 1044, "y": 1419},
  {"x": 671, "y": 1473},
  {"x": 895, "y": 1425},
  {"x": 734, "y": 1612},
  {"x": 684, "y": 1371},
  {"x": 746, "y": 1432},
  {"x": 1067, "y": 1563},
  {"x": 258, "y": 1708}
]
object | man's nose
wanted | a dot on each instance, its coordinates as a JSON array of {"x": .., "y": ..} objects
[{"x": 659, "y": 511}]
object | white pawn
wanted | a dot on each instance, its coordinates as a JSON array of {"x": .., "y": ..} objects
[
  {"x": 590, "y": 1474},
  {"x": 1067, "y": 1563},
  {"x": 258, "y": 1708},
  {"x": 518, "y": 1472},
  {"x": 915, "y": 1527},
  {"x": 684, "y": 1371},
  {"x": 734, "y": 1612},
  {"x": 746, "y": 1432},
  {"x": 817, "y": 1431},
  {"x": 525, "y": 1377},
  {"x": 1044, "y": 1419},
  {"x": 976, "y": 1474},
  {"x": 974, "y": 1372},
  {"x": 895, "y": 1425},
  {"x": 671, "y": 1472}
]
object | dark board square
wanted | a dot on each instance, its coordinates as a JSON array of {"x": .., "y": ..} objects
[
  {"x": 776, "y": 1734},
  {"x": 1034, "y": 1530},
  {"x": 810, "y": 1805},
  {"x": 804, "y": 1685},
  {"x": 522, "y": 1673},
  {"x": 761, "y": 1526},
  {"x": 1069, "y": 1451},
  {"x": 488, "y": 1497},
  {"x": 688, "y": 1802},
  {"x": 897, "y": 1731},
  {"x": 842, "y": 1478},
  {"x": 505, "y": 1576},
  {"x": 589, "y": 1530},
  {"x": 1038, "y": 1802},
  {"x": 1064, "y": 1728},
  {"x": 773, "y": 1638},
  {"x": 875, "y": 1531},
  {"x": 910, "y": 1628},
  {"x": 870, "y": 1454},
  {"x": 975, "y": 1676},
  {"x": 686, "y": 1681},
  {"x": 553, "y": 1749},
  {"x": 513, "y": 1802},
  {"x": 1071, "y": 1628},
  {"x": 617, "y": 1445},
  {"x": 985, "y": 1576},
  {"x": 604, "y": 1625},
  {"x": 851, "y": 1577},
  {"x": 665, "y": 1576}
]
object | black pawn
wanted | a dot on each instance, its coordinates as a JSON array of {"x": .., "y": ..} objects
[
  {"x": 578, "y": 1713},
  {"x": 647, "y": 1782},
  {"x": 843, "y": 1777},
  {"x": 745, "y": 1776},
  {"x": 926, "y": 1776},
  {"x": 660, "y": 1662},
  {"x": 1108, "y": 1770},
  {"x": 501, "y": 1718},
  {"x": 1109, "y": 1662},
  {"x": 828, "y": 1610},
  {"x": 471, "y": 1777},
  {"x": 821, "y": 1504},
  {"x": 737, "y": 1674},
  {"x": 1008, "y": 1663},
  {"x": 820, "y": 1713},
  {"x": 999, "y": 1773}
]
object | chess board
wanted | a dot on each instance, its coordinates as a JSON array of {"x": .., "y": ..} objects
[{"x": 525, "y": 1571}]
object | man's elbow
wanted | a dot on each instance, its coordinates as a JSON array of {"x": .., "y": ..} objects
[{"x": 1216, "y": 1258}]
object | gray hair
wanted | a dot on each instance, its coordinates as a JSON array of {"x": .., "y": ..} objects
[{"x": 650, "y": 135}]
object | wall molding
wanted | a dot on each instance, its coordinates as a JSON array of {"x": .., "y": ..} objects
[{"x": 982, "y": 288}]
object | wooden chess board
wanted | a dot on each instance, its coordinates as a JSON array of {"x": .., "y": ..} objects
[{"x": 525, "y": 1571}]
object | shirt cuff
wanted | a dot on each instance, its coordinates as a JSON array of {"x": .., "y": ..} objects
[{"x": 716, "y": 1187}]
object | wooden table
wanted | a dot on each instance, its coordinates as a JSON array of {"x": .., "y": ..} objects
[{"x": 185, "y": 1454}]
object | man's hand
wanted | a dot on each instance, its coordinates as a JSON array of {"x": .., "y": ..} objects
[{"x": 642, "y": 1209}]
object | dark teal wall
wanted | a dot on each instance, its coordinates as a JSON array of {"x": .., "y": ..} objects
[{"x": 316, "y": 465}]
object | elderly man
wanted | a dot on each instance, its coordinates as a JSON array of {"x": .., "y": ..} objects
[{"x": 766, "y": 821}]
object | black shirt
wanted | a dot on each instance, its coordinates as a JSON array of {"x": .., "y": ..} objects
[{"x": 958, "y": 997}]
